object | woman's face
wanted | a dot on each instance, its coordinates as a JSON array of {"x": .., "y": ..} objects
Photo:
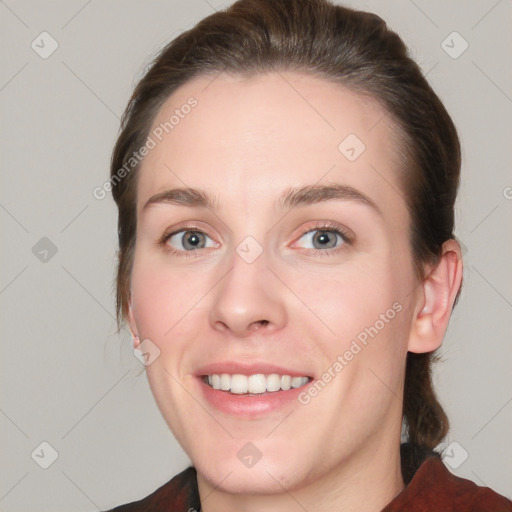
[{"x": 296, "y": 272}]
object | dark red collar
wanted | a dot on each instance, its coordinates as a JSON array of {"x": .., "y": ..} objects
[
  {"x": 434, "y": 488},
  {"x": 429, "y": 487}
]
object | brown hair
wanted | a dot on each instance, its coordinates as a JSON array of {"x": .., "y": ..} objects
[{"x": 355, "y": 49}]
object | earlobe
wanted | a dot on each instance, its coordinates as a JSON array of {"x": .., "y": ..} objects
[
  {"x": 436, "y": 299},
  {"x": 133, "y": 327}
]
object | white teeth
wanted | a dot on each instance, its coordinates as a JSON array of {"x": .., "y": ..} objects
[
  {"x": 257, "y": 383},
  {"x": 239, "y": 384},
  {"x": 286, "y": 382},
  {"x": 254, "y": 384},
  {"x": 273, "y": 382},
  {"x": 225, "y": 382},
  {"x": 297, "y": 382}
]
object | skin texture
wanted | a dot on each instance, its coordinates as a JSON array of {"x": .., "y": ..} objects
[{"x": 246, "y": 141}]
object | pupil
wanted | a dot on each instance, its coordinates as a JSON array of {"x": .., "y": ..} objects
[
  {"x": 323, "y": 239},
  {"x": 193, "y": 239}
]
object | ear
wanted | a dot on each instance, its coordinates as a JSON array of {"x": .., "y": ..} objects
[
  {"x": 437, "y": 295},
  {"x": 133, "y": 326}
]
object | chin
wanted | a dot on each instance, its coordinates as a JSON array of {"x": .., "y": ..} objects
[
  {"x": 264, "y": 477},
  {"x": 240, "y": 466}
]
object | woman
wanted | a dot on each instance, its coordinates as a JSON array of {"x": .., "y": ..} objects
[{"x": 286, "y": 180}]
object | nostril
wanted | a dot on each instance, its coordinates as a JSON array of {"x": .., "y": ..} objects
[{"x": 258, "y": 323}]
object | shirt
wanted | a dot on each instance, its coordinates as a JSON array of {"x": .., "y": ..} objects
[{"x": 429, "y": 486}]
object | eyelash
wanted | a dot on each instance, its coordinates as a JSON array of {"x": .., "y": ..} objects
[{"x": 321, "y": 226}]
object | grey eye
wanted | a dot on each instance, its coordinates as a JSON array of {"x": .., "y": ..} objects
[
  {"x": 323, "y": 239},
  {"x": 189, "y": 240}
]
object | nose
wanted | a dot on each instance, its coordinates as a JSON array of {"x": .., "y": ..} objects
[{"x": 248, "y": 299}]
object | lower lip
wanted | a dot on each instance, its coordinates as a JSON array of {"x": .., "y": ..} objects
[{"x": 250, "y": 406}]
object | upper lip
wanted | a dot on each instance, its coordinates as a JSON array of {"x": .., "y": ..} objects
[{"x": 252, "y": 368}]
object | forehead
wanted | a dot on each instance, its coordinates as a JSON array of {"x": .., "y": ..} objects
[{"x": 246, "y": 139}]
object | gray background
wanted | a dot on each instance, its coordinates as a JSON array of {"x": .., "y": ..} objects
[{"x": 67, "y": 378}]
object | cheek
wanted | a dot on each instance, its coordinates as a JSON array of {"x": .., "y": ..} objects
[
  {"x": 363, "y": 357},
  {"x": 158, "y": 299},
  {"x": 366, "y": 312},
  {"x": 152, "y": 303},
  {"x": 351, "y": 299},
  {"x": 163, "y": 305}
]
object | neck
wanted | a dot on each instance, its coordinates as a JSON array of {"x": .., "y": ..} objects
[{"x": 366, "y": 482}]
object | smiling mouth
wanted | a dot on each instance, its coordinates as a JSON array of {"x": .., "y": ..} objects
[{"x": 253, "y": 385}]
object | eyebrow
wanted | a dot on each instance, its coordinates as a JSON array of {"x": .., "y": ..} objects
[{"x": 292, "y": 197}]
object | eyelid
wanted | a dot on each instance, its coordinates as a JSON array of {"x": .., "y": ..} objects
[
  {"x": 184, "y": 227},
  {"x": 346, "y": 234}
]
